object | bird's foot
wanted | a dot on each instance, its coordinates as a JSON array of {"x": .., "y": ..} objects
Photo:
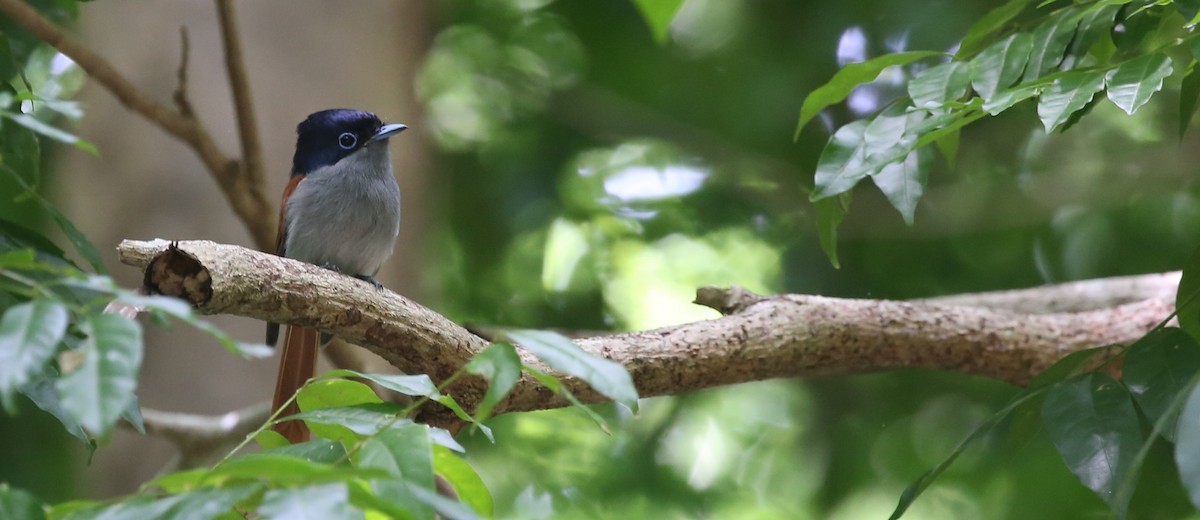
[
  {"x": 331, "y": 267},
  {"x": 369, "y": 280}
]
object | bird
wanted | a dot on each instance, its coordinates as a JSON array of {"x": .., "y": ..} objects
[{"x": 340, "y": 210}]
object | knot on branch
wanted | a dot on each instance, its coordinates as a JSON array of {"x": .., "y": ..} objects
[
  {"x": 175, "y": 272},
  {"x": 726, "y": 300}
]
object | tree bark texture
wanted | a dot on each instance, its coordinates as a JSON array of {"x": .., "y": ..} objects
[{"x": 760, "y": 337}]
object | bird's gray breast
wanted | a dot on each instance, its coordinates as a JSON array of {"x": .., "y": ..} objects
[{"x": 346, "y": 215}]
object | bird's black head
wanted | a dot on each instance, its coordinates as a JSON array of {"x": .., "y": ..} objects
[{"x": 326, "y": 137}]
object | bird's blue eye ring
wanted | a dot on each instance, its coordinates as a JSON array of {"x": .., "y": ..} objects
[{"x": 347, "y": 140}]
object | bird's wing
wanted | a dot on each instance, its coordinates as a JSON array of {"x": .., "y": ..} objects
[{"x": 281, "y": 234}]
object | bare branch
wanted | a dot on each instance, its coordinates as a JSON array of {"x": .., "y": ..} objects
[
  {"x": 244, "y": 193},
  {"x": 203, "y": 439},
  {"x": 243, "y": 104},
  {"x": 766, "y": 337},
  {"x": 180, "y": 96}
]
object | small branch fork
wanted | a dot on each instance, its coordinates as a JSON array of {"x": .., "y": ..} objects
[{"x": 241, "y": 180}]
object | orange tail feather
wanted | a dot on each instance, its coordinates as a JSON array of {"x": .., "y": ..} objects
[{"x": 298, "y": 364}]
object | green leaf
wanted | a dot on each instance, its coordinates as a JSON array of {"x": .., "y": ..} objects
[
  {"x": 45, "y": 396},
  {"x": 885, "y": 133},
  {"x": 1078, "y": 115},
  {"x": 20, "y": 155},
  {"x": 99, "y": 390},
  {"x": 362, "y": 419},
  {"x": 419, "y": 385},
  {"x": 133, "y": 415},
  {"x": 604, "y": 375},
  {"x": 1093, "y": 424},
  {"x": 82, "y": 245},
  {"x": 8, "y": 64},
  {"x": 840, "y": 166},
  {"x": 416, "y": 385},
  {"x": 15, "y": 503},
  {"x": 948, "y": 145},
  {"x": 407, "y": 455},
  {"x": 1006, "y": 99},
  {"x": 849, "y": 77},
  {"x": 828, "y": 214},
  {"x": 136, "y": 507},
  {"x": 1066, "y": 96},
  {"x": 554, "y": 385},
  {"x": 939, "y": 84},
  {"x": 332, "y": 393},
  {"x": 178, "y": 481},
  {"x": 278, "y": 469},
  {"x": 1160, "y": 429},
  {"x": 204, "y": 504},
  {"x": 442, "y": 437},
  {"x": 22, "y": 259},
  {"x": 1096, "y": 22},
  {"x": 270, "y": 439},
  {"x": 317, "y": 450},
  {"x": 447, "y": 508},
  {"x": 182, "y": 311},
  {"x": 658, "y": 15},
  {"x": 903, "y": 183},
  {"x": 14, "y": 237},
  {"x": 1027, "y": 418},
  {"x": 321, "y": 502},
  {"x": 1189, "y": 94},
  {"x": 29, "y": 336},
  {"x": 453, "y": 405},
  {"x": 51, "y": 132},
  {"x": 1133, "y": 83},
  {"x": 463, "y": 478},
  {"x": 1144, "y": 28},
  {"x": 404, "y": 453},
  {"x": 375, "y": 506},
  {"x": 1050, "y": 42},
  {"x": 1069, "y": 366},
  {"x": 199, "y": 504},
  {"x": 918, "y": 486},
  {"x": 1187, "y": 445},
  {"x": 978, "y": 35},
  {"x": 1187, "y": 297},
  {"x": 1000, "y": 65},
  {"x": 1157, "y": 368},
  {"x": 1188, "y": 8},
  {"x": 501, "y": 366}
]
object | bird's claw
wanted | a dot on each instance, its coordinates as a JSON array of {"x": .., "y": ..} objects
[{"x": 369, "y": 280}]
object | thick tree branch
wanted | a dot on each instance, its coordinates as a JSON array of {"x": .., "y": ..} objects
[
  {"x": 1084, "y": 295},
  {"x": 244, "y": 192},
  {"x": 764, "y": 337}
]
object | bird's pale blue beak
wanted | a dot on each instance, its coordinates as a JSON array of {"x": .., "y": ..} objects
[{"x": 387, "y": 131}]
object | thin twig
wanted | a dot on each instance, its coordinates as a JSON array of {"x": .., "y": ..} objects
[
  {"x": 181, "y": 97},
  {"x": 244, "y": 193},
  {"x": 243, "y": 103}
]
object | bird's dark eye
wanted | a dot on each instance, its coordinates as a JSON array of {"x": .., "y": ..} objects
[{"x": 347, "y": 140}]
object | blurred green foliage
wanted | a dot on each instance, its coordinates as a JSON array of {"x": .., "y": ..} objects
[
  {"x": 602, "y": 198},
  {"x": 599, "y": 166}
]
